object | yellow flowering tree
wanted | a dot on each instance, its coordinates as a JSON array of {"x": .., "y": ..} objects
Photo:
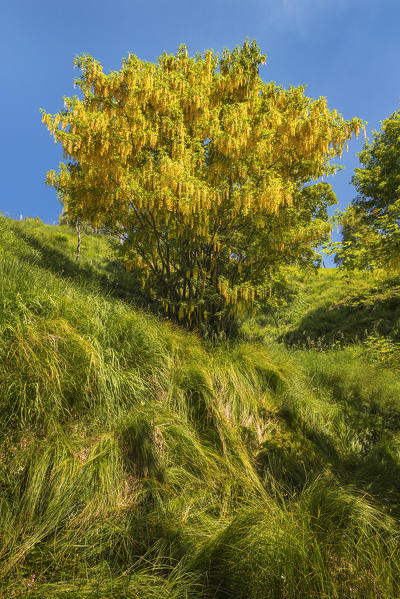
[{"x": 203, "y": 170}]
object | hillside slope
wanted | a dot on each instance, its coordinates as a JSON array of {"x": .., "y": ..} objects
[
  {"x": 330, "y": 309},
  {"x": 137, "y": 462}
]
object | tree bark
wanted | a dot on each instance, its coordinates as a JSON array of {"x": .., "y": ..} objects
[{"x": 78, "y": 231}]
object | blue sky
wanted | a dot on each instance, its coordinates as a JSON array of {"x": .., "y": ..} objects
[{"x": 345, "y": 50}]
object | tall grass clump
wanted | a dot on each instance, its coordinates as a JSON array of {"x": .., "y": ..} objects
[{"x": 328, "y": 542}]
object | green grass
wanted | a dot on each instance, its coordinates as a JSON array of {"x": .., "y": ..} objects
[
  {"x": 331, "y": 310},
  {"x": 138, "y": 462}
]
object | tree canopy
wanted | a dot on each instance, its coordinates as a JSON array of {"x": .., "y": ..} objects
[
  {"x": 377, "y": 180},
  {"x": 207, "y": 173},
  {"x": 371, "y": 224}
]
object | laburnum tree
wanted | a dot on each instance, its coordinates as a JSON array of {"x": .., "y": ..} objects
[
  {"x": 371, "y": 224},
  {"x": 208, "y": 174}
]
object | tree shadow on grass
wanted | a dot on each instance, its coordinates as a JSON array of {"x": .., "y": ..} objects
[
  {"x": 374, "y": 423},
  {"x": 372, "y": 466},
  {"x": 351, "y": 319},
  {"x": 376, "y": 474},
  {"x": 112, "y": 280}
]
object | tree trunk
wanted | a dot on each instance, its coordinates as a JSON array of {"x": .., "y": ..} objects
[{"x": 78, "y": 231}]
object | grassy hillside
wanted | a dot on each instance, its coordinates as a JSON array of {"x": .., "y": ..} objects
[
  {"x": 331, "y": 309},
  {"x": 136, "y": 462}
]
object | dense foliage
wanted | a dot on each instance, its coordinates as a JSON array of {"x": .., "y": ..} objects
[
  {"x": 377, "y": 180},
  {"x": 204, "y": 172},
  {"x": 371, "y": 225}
]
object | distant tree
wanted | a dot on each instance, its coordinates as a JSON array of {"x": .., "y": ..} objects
[
  {"x": 204, "y": 170},
  {"x": 369, "y": 241},
  {"x": 371, "y": 224},
  {"x": 377, "y": 180},
  {"x": 352, "y": 224}
]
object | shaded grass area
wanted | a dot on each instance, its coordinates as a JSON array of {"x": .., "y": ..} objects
[
  {"x": 353, "y": 318},
  {"x": 54, "y": 249},
  {"x": 368, "y": 399},
  {"x": 137, "y": 462},
  {"x": 331, "y": 310}
]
